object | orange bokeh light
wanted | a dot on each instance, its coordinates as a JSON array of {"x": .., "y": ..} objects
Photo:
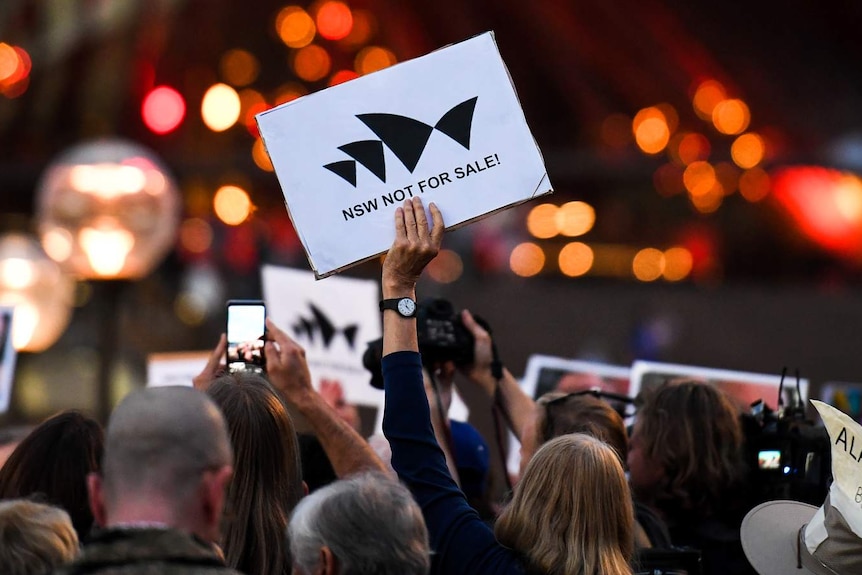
[
  {"x": 446, "y": 267},
  {"x": 334, "y": 20},
  {"x": 576, "y": 259},
  {"x": 289, "y": 92},
  {"x": 616, "y": 130},
  {"x": 692, "y": 148},
  {"x": 364, "y": 27},
  {"x": 342, "y": 76},
  {"x": 527, "y": 259},
  {"x": 9, "y": 62},
  {"x": 706, "y": 97},
  {"x": 731, "y": 116},
  {"x": 542, "y": 221},
  {"x": 295, "y": 27},
  {"x": 748, "y": 150},
  {"x": 260, "y": 157},
  {"x": 678, "y": 262},
  {"x": 239, "y": 67},
  {"x": 648, "y": 264},
  {"x": 754, "y": 184},
  {"x": 312, "y": 63},
  {"x": 373, "y": 58},
  {"x": 699, "y": 178},
  {"x": 667, "y": 180},
  {"x": 651, "y": 130}
]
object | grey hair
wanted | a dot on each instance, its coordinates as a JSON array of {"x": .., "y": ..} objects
[
  {"x": 371, "y": 524},
  {"x": 160, "y": 441}
]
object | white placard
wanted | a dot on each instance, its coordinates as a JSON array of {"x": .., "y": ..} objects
[
  {"x": 743, "y": 387},
  {"x": 8, "y": 356},
  {"x": 447, "y": 127},
  {"x": 175, "y": 368},
  {"x": 333, "y": 321}
]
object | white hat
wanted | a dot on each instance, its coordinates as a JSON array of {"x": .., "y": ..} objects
[{"x": 793, "y": 538}]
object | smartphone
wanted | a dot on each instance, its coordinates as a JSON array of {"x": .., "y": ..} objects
[{"x": 246, "y": 326}]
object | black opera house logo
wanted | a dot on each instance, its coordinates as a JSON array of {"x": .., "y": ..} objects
[
  {"x": 319, "y": 323},
  {"x": 405, "y": 137}
]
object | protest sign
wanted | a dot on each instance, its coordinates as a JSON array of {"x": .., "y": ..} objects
[
  {"x": 333, "y": 321},
  {"x": 175, "y": 368},
  {"x": 8, "y": 356},
  {"x": 743, "y": 388},
  {"x": 447, "y": 127}
]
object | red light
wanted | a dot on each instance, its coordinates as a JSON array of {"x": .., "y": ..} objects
[
  {"x": 334, "y": 20},
  {"x": 163, "y": 110},
  {"x": 342, "y": 76}
]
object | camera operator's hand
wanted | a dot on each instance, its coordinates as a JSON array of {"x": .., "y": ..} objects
[
  {"x": 479, "y": 371},
  {"x": 213, "y": 368},
  {"x": 414, "y": 246},
  {"x": 286, "y": 366}
]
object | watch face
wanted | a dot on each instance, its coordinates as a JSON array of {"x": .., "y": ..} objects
[{"x": 406, "y": 306}]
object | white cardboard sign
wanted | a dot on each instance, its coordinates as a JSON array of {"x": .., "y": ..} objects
[
  {"x": 333, "y": 321},
  {"x": 447, "y": 127},
  {"x": 175, "y": 368}
]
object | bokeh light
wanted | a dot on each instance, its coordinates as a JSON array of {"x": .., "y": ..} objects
[
  {"x": 364, "y": 27},
  {"x": 220, "y": 108},
  {"x": 710, "y": 201},
  {"x": 312, "y": 63},
  {"x": 616, "y": 131},
  {"x": 699, "y": 178},
  {"x": 575, "y": 219},
  {"x": 648, "y": 264},
  {"x": 163, "y": 110},
  {"x": 651, "y": 130},
  {"x": 731, "y": 116},
  {"x": 239, "y": 67},
  {"x": 576, "y": 259},
  {"x": 289, "y": 92},
  {"x": 342, "y": 76},
  {"x": 446, "y": 268},
  {"x": 9, "y": 62},
  {"x": 690, "y": 147},
  {"x": 15, "y": 66},
  {"x": 707, "y": 95},
  {"x": 295, "y": 27},
  {"x": 252, "y": 103},
  {"x": 542, "y": 221},
  {"x": 667, "y": 180},
  {"x": 678, "y": 263},
  {"x": 334, "y": 20},
  {"x": 748, "y": 150},
  {"x": 196, "y": 235},
  {"x": 727, "y": 175},
  {"x": 260, "y": 157},
  {"x": 373, "y": 58},
  {"x": 232, "y": 205},
  {"x": 754, "y": 184},
  {"x": 527, "y": 259}
]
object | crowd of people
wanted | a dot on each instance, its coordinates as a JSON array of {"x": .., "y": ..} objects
[{"x": 214, "y": 478}]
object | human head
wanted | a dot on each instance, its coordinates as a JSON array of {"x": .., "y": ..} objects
[
  {"x": 167, "y": 460},
  {"x": 686, "y": 448},
  {"x": 571, "y": 512},
  {"x": 368, "y": 524},
  {"x": 267, "y": 482},
  {"x": 34, "y": 537},
  {"x": 54, "y": 460},
  {"x": 561, "y": 413}
]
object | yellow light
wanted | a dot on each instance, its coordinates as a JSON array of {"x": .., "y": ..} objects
[
  {"x": 708, "y": 94},
  {"x": 260, "y": 157},
  {"x": 196, "y": 235},
  {"x": 576, "y": 259},
  {"x": 107, "y": 247},
  {"x": 24, "y": 324},
  {"x": 699, "y": 178},
  {"x": 747, "y": 150},
  {"x": 373, "y": 58},
  {"x": 108, "y": 181},
  {"x": 731, "y": 116},
  {"x": 527, "y": 259},
  {"x": 677, "y": 264},
  {"x": 312, "y": 63},
  {"x": 754, "y": 184},
  {"x": 232, "y": 205},
  {"x": 651, "y": 130},
  {"x": 648, "y": 264},
  {"x": 239, "y": 67},
  {"x": 58, "y": 244},
  {"x": 575, "y": 218},
  {"x": 220, "y": 108},
  {"x": 542, "y": 221},
  {"x": 17, "y": 273},
  {"x": 446, "y": 268},
  {"x": 295, "y": 27}
]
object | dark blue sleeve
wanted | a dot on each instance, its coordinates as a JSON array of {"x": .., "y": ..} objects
[{"x": 461, "y": 541}]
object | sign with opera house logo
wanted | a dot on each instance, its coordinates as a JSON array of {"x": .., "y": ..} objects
[{"x": 447, "y": 127}]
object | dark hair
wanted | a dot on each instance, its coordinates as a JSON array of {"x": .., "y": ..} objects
[
  {"x": 267, "y": 481},
  {"x": 53, "y": 462},
  {"x": 564, "y": 413}
]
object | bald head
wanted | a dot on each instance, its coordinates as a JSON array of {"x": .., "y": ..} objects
[{"x": 159, "y": 442}]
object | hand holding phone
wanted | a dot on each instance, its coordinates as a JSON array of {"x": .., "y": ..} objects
[{"x": 246, "y": 327}]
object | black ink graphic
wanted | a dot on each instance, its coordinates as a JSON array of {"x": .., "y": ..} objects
[
  {"x": 320, "y": 323},
  {"x": 405, "y": 137}
]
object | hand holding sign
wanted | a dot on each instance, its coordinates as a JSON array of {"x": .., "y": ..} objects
[{"x": 414, "y": 246}]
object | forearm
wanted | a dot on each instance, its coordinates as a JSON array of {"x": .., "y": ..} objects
[
  {"x": 516, "y": 405},
  {"x": 348, "y": 452}
]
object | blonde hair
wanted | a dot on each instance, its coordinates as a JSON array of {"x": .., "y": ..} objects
[
  {"x": 572, "y": 511},
  {"x": 34, "y": 538}
]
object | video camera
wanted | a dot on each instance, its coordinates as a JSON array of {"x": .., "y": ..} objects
[
  {"x": 442, "y": 337},
  {"x": 788, "y": 455}
]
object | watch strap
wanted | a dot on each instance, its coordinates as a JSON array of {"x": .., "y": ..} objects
[{"x": 392, "y": 303}]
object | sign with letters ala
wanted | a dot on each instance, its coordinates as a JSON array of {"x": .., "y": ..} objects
[{"x": 447, "y": 127}]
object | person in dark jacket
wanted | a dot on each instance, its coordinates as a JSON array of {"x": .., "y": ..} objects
[{"x": 160, "y": 495}]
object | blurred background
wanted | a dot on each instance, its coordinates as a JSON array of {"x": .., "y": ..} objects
[{"x": 704, "y": 155}]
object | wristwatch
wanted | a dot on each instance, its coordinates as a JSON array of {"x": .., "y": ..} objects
[{"x": 405, "y": 306}]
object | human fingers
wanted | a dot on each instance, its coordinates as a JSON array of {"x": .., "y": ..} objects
[
  {"x": 410, "y": 221},
  {"x": 400, "y": 228},
  {"x": 472, "y": 326},
  {"x": 437, "y": 224},
  {"x": 421, "y": 218}
]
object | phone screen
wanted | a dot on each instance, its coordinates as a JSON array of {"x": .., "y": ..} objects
[
  {"x": 769, "y": 459},
  {"x": 245, "y": 331}
]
